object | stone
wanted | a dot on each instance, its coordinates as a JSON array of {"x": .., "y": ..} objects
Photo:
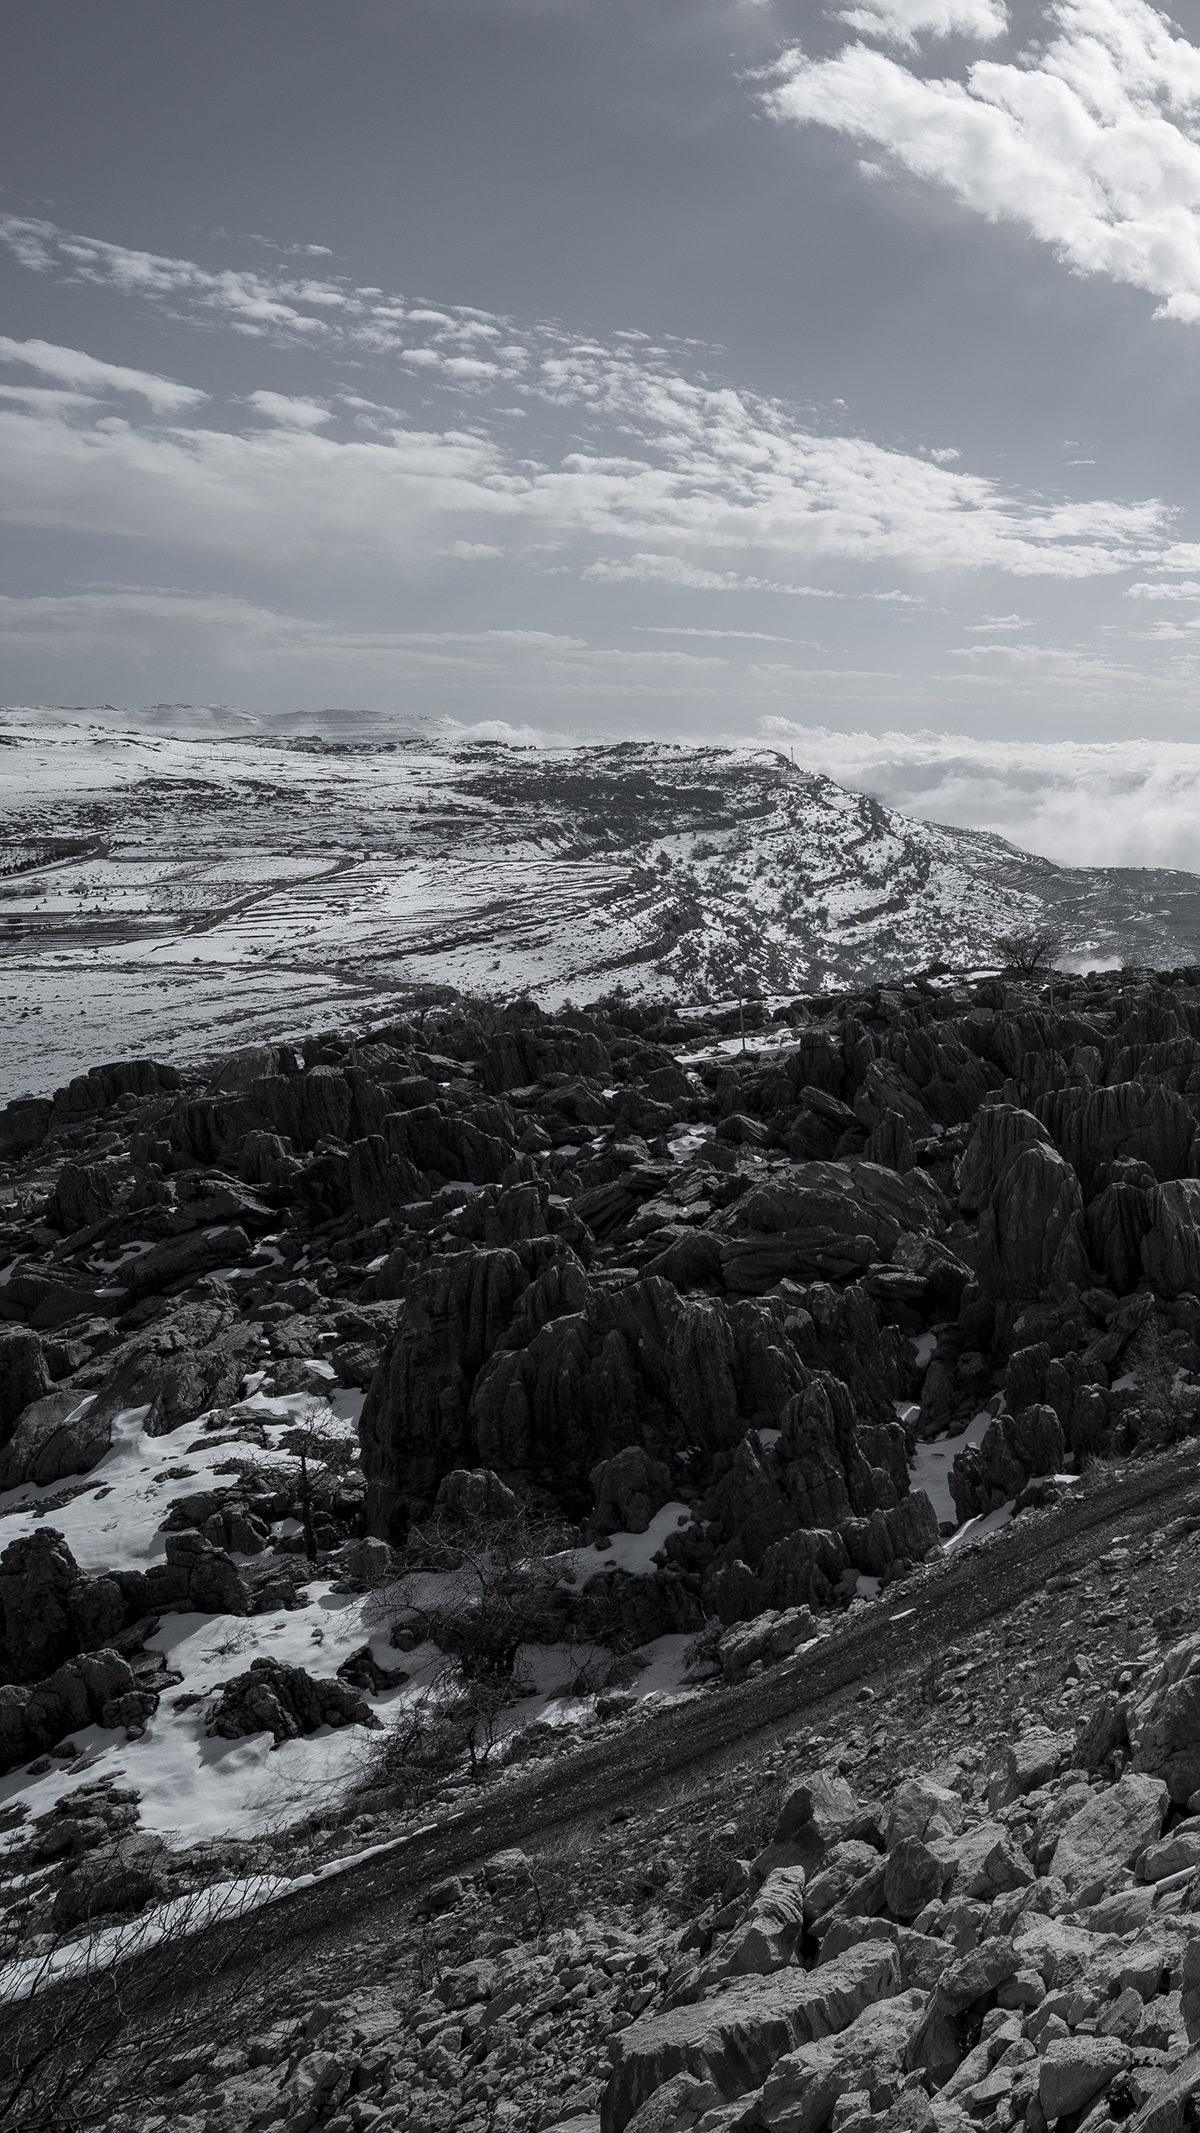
[
  {"x": 1170, "y": 2106},
  {"x": 918, "y": 1803},
  {"x": 936, "y": 2045},
  {"x": 768, "y": 1936},
  {"x": 802, "y": 2089},
  {"x": 629, "y": 1488},
  {"x": 468, "y": 1497},
  {"x": 123, "y": 1877},
  {"x": 985, "y": 1862},
  {"x": 1110, "y": 1831},
  {"x": 1177, "y": 1854},
  {"x": 57, "y": 1435},
  {"x": 822, "y": 1805},
  {"x": 734, "y": 2039},
  {"x": 1162, "y": 1720},
  {"x": 1075, "y": 2069},
  {"x": 24, "y": 1377},
  {"x": 1025, "y": 1763},
  {"x": 913, "y": 1877},
  {"x": 285, "y": 1701},
  {"x": 1032, "y": 1242}
]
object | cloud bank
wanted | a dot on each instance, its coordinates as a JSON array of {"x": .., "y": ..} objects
[
  {"x": 1089, "y": 137},
  {"x": 1118, "y": 803}
]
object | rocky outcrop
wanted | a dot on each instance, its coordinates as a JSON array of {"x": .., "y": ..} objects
[
  {"x": 826, "y": 1222},
  {"x": 49, "y": 1610},
  {"x": 97, "y": 1688},
  {"x": 733, "y": 2041},
  {"x": 1032, "y": 1241},
  {"x": 286, "y": 1702},
  {"x": 24, "y": 1377},
  {"x": 1013, "y": 1448}
]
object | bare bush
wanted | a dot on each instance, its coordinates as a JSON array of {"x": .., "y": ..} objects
[
  {"x": 496, "y": 1581},
  {"x": 1030, "y": 949},
  {"x": 111, "y": 2017}
]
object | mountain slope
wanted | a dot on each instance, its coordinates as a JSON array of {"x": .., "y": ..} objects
[{"x": 160, "y": 892}]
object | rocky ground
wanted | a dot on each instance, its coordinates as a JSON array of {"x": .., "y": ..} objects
[
  {"x": 964, "y": 1900},
  {"x": 613, "y": 1336}
]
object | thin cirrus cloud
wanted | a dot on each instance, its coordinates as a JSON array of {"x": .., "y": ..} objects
[
  {"x": 1089, "y": 138},
  {"x": 86, "y": 374},
  {"x": 1080, "y": 803},
  {"x": 140, "y": 623}
]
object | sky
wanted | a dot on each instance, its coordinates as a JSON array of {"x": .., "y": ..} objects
[{"x": 740, "y": 369}]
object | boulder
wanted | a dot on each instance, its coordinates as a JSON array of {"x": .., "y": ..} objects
[
  {"x": 24, "y": 1376},
  {"x": 1109, "y": 1832},
  {"x": 184, "y": 1259},
  {"x": 822, "y": 1805},
  {"x": 1025, "y": 1763},
  {"x": 285, "y": 1701},
  {"x": 1013, "y": 1449},
  {"x": 936, "y": 2045},
  {"x": 1171, "y": 2104},
  {"x": 1001, "y": 1132},
  {"x": 468, "y": 1497},
  {"x": 1170, "y": 1248},
  {"x": 57, "y": 1435},
  {"x": 97, "y": 1688},
  {"x": 768, "y": 1936},
  {"x": 124, "y": 1876},
  {"x": 913, "y": 1877},
  {"x": 770, "y": 1635},
  {"x": 1032, "y": 1241},
  {"x": 922, "y": 1808},
  {"x": 1075, "y": 2069},
  {"x": 802, "y": 2088},
  {"x": 1161, "y": 1720},
  {"x": 735, "y": 2039},
  {"x": 629, "y": 1488}
]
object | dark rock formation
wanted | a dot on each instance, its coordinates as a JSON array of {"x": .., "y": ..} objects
[{"x": 285, "y": 1701}]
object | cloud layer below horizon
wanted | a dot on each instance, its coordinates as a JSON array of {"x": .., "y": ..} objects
[{"x": 1099, "y": 804}]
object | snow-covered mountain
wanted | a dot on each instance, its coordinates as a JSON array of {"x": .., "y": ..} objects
[{"x": 163, "y": 890}]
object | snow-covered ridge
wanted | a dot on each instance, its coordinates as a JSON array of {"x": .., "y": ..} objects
[{"x": 240, "y": 886}]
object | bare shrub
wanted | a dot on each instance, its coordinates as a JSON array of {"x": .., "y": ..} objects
[
  {"x": 112, "y": 2018},
  {"x": 1030, "y": 949}
]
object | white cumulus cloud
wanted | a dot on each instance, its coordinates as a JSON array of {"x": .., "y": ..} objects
[
  {"x": 902, "y": 21},
  {"x": 1090, "y": 138}
]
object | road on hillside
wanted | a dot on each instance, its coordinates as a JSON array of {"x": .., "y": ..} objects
[
  {"x": 907, "y": 1630},
  {"x": 362, "y": 1909}
]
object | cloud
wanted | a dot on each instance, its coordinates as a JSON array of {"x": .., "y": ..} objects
[
  {"x": 1189, "y": 590},
  {"x": 1090, "y": 138},
  {"x": 900, "y": 21},
  {"x": 290, "y": 413},
  {"x": 675, "y": 478},
  {"x": 721, "y": 482},
  {"x": 73, "y": 368},
  {"x": 663, "y": 629},
  {"x": 1118, "y": 803}
]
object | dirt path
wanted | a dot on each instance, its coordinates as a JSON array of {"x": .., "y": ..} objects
[{"x": 364, "y": 1905}]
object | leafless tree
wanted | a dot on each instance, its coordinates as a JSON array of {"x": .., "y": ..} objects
[
  {"x": 111, "y": 2016},
  {"x": 313, "y": 1444},
  {"x": 1030, "y": 949}
]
